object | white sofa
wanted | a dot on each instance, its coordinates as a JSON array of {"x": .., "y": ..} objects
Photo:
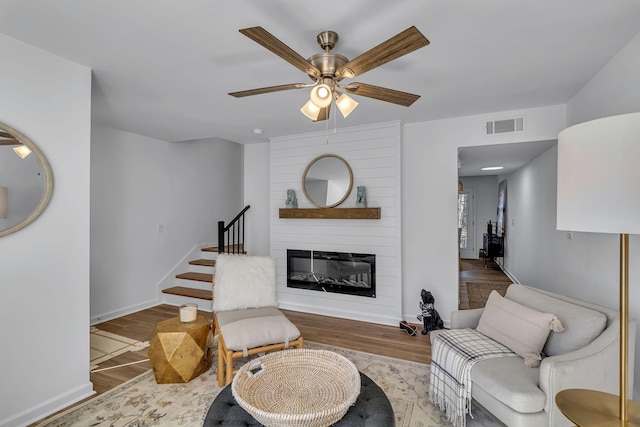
[{"x": 584, "y": 355}]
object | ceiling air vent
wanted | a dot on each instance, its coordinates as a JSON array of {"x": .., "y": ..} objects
[{"x": 505, "y": 126}]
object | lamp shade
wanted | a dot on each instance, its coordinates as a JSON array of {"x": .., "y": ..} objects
[
  {"x": 598, "y": 176},
  {"x": 321, "y": 95},
  {"x": 311, "y": 110},
  {"x": 3, "y": 202},
  {"x": 345, "y": 104}
]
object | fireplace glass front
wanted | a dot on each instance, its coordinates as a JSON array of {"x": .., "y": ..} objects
[{"x": 340, "y": 272}]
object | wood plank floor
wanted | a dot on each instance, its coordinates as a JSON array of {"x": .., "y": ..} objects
[
  {"x": 362, "y": 336},
  {"x": 477, "y": 270},
  {"x": 388, "y": 341},
  {"x": 385, "y": 340}
]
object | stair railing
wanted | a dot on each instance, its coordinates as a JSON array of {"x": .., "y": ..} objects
[{"x": 231, "y": 236}]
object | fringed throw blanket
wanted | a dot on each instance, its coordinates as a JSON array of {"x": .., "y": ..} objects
[{"x": 454, "y": 353}]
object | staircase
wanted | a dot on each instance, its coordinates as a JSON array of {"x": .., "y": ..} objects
[{"x": 196, "y": 285}]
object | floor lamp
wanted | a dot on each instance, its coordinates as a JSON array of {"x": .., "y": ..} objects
[{"x": 598, "y": 192}]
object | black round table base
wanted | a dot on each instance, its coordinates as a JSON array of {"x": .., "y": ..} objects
[{"x": 372, "y": 409}]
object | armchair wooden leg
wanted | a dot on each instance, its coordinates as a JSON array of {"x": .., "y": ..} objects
[
  {"x": 219, "y": 374},
  {"x": 229, "y": 359}
]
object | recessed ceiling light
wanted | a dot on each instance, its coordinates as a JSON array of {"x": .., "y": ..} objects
[
  {"x": 258, "y": 131},
  {"x": 492, "y": 168}
]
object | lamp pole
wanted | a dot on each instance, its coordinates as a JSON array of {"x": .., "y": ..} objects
[{"x": 624, "y": 325}]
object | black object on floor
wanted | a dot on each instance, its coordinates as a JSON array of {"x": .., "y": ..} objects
[{"x": 372, "y": 409}]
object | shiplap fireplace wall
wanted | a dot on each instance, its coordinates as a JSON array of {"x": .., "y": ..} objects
[{"x": 373, "y": 152}]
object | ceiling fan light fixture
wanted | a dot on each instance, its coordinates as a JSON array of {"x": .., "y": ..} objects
[
  {"x": 321, "y": 95},
  {"x": 22, "y": 151},
  {"x": 345, "y": 104},
  {"x": 311, "y": 110}
]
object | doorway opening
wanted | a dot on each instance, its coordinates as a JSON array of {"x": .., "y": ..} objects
[{"x": 466, "y": 223}]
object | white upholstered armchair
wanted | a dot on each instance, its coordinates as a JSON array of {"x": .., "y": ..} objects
[{"x": 246, "y": 316}]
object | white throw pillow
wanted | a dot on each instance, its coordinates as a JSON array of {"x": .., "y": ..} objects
[
  {"x": 243, "y": 281},
  {"x": 522, "y": 329},
  {"x": 582, "y": 325}
]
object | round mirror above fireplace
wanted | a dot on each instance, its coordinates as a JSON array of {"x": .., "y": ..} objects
[{"x": 327, "y": 181}]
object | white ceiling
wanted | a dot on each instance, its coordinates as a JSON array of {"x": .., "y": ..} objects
[
  {"x": 163, "y": 68},
  {"x": 510, "y": 156}
]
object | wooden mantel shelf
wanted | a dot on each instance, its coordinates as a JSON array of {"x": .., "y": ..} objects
[{"x": 331, "y": 213}]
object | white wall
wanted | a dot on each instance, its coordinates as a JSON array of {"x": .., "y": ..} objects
[
  {"x": 430, "y": 189},
  {"x": 256, "y": 194},
  {"x": 485, "y": 203},
  {"x": 614, "y": 90},
  {"x": 536, "y": 252},
  {"x": 543, "y": 257},
  {"x": 138, "y": 183},
  {"x": 44, "y": 268},
  {"x": 373, "y": 152}
]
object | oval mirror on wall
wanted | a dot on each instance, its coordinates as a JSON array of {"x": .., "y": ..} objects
[
  {"x": 327, "y": 181},
  {"x": 26, "y": 182}
]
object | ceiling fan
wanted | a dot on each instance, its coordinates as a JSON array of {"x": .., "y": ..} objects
[{"x": 327, "y": 69}]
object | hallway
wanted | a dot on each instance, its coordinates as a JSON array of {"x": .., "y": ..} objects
[{"x": 479, "y": 271}]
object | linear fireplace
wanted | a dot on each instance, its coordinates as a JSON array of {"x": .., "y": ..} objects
[{"x": 340, "y": 272}]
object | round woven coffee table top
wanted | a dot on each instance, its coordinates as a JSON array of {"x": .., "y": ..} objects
[{"x": 297, "y": 387}]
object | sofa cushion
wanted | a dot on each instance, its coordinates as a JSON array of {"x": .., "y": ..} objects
[
  {"x": 582, "y": 325},
  {"x": 522, "y": 329},
  {"x": 510, "y": 381},
  {"x": 255, "y": 327}
]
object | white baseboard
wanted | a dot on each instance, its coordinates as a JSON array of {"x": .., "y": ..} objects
[
  {"x": 363, "y": 317},
  {"x": 122, "y": 312},
  {"x": 51, "y": 406},
  {"x": 509, "y": 275}
]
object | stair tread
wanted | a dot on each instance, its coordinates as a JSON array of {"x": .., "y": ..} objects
[
  {"x": 204, "y": 262},
  {"x": 200, "y": 277},
  {"x": 239, "y": 248},
  {"x": 189, "y": 292}
]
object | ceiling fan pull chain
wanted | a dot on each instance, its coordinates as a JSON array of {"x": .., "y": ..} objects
[{"x": 326, "y": 130}]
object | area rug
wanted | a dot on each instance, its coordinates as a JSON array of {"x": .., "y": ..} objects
[
  {"x": 142, "y": 402},
  {"x": 478, "y": 292},
  {"x": 105, "y": 345}
]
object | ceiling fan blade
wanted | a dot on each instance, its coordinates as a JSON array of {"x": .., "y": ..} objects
[
  {"x": 8, "y": 139},
  {"x": 397, "y": 46},
  {"x": 382, "y": 93},
  {"x": 269, "y": 89},
  {"x": 266, "y": 39},
  {"x": 9, "y": 142}
]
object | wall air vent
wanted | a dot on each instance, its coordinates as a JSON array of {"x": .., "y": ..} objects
[{"x": 515, "y": 124}]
